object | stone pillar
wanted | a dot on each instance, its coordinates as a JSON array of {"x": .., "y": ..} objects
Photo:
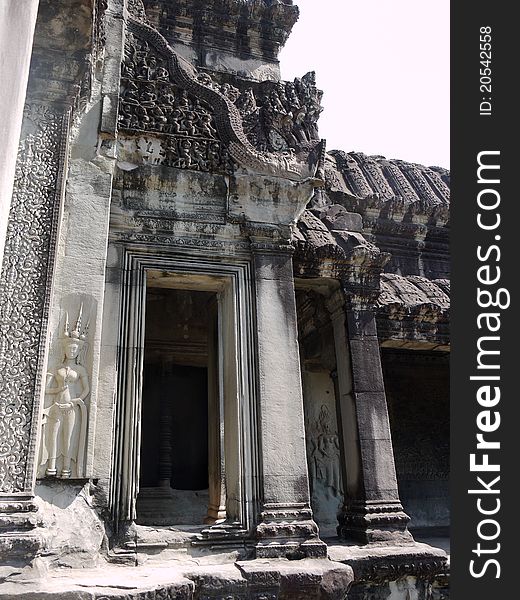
[
  {"x": 216, "y": 469},
  {"x": 285, "y": 524},
  {"x": 165, "y": 439},
  {"x": 17, "y": 22},
  {"x": 32, "y": 148},
  {"x": 372, "y": 510}
]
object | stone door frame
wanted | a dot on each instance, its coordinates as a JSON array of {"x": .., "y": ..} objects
[{"x": 232, "y": 283}]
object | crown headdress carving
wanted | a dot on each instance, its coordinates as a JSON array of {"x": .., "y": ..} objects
[{"x": 79, "y": 331}]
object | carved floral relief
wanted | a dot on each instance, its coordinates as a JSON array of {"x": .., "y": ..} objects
[{"x": 28, "y": 252}]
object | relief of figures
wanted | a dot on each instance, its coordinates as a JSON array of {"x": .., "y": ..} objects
[
  {"x": 282, "y": 116},
  {"x": 65, "y": 414},
  {"x": 164, "y": 108},
  {"x": 279, "y": 117},
  {"x": 151, "y": 103}
]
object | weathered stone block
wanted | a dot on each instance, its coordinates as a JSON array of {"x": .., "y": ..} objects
[
  {"x": 372, "y": 416},
  {"x": 366, "y": 365},
  {"x": 361, "y": 324}
]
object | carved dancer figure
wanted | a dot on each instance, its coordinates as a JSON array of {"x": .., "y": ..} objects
[
  {"x": 131, "y": 94},
  {"x": 184, "y": 161},
  {"x": 205, "y": 126},
  {"x": 198, "y": 152},
  {"x": 328, "y": 446},
  {"x": 215, "y": 156},
  {"x": 162, "y": 73},
  {"x": 325, "y": 463},
  {"x": 65, "y": 420}
]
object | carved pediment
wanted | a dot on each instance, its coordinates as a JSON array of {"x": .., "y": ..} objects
[
  {"x": 282, "y": 116},
  {"x": 200, "y": 122},
  {"x": 151, "y": 102}
]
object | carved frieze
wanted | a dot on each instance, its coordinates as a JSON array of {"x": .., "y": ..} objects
[
  {"x": 164, "y": 95},
  {"x": 151, "y": 103},
  {"x": 282, "y": 116},
  {"x": 204, "y": 244},
  {"x": 24, "y": 290},
  {"x": 175, "y": 151}
]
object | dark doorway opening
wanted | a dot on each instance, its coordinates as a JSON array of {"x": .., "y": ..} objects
[
  {"x": 180, "y": 350},
  {"x": 418, "y": 393},
  {"x": 175, "y": 406}
]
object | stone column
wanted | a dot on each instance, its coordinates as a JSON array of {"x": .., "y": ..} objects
[
  {"x": 216, "y": 469},
  {"x": 17, "y": 22},
  {"x": 165, "y": 438},
  {"x": 285, "y": 524},
  {"x": 372, "y": 510},
  {"x": 32, "y": 144}
]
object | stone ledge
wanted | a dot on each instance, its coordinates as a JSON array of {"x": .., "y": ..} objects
[
  {"x": 377, "y": 563},
  {"x": 319, "y": 579},
  {"x": 275, "y": 579}
]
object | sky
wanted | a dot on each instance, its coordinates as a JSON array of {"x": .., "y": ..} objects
[{"x": 384, "y": 68}]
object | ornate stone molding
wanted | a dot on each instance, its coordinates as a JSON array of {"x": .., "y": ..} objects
[
  {"x": 25, "y": 290},
  {"x": 413, "y": 310},
  {"x": 213, "y": 246},
  {"x": 368, "y": 521},
  {"x": 322, "y": 251},
  {"x": 381, "y": 570},
  {"x": 288, "y": 531},
  {"x": 253, "y": 29}
]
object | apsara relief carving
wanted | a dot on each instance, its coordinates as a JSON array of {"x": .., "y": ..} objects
[
  {"x": 324, "y": 455},
  {"x": 65, "y": 413}
]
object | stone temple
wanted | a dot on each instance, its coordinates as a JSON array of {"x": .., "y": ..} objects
[{"x": 224, "y": 347}]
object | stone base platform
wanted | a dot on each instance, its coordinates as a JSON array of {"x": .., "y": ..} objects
[
  {"x": 351, "y": 572},
  {"x": 267, "y": 579}
]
